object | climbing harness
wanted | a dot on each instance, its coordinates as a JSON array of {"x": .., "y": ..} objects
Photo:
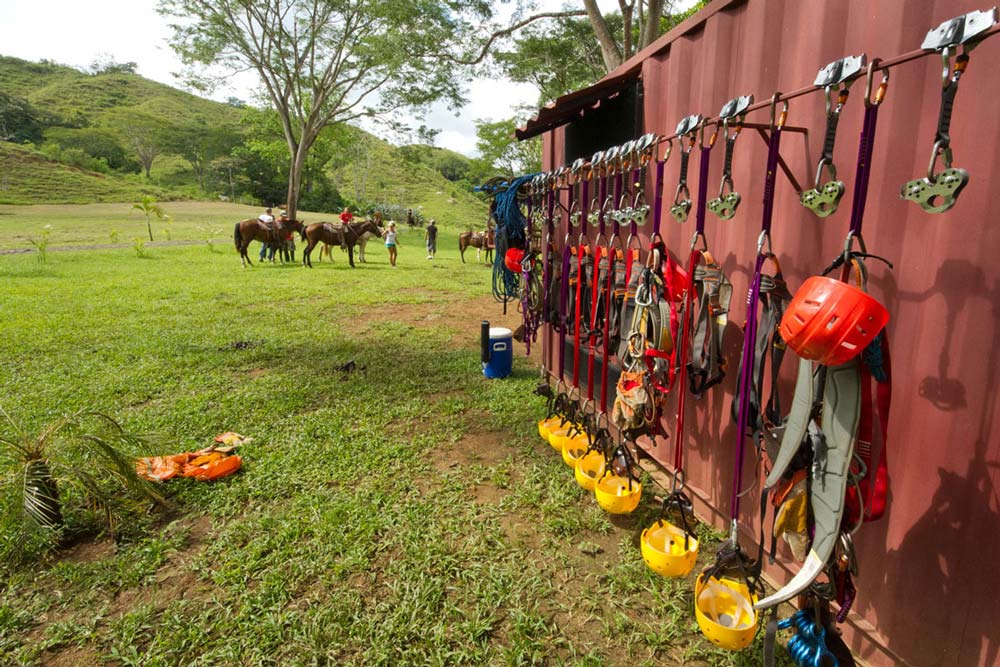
[
  {"x": 936, "y": 193},
  {"x": 686, "y": 129},
  {"x": 819, "y": 482},
  {"x": 835, "y": 79},
  {"x": 732, "y": 116}
]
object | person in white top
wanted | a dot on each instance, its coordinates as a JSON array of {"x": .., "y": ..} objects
[
  {"x": 391, "y": 242},
  {"x": 268, "y": 221}
]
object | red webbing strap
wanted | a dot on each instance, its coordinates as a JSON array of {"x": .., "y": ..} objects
[
  {"x": 693, "y": 260},
  {"x": 576, "y": 328},
  {"x": 874, "y": 487}
]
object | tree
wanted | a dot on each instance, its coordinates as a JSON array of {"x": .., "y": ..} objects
[
  {"x": 19, "y": 120},
  {"x": 144, "y": 133},
  {"x": 497, "y": 150},
  {"x": 149, "y": 207},
  {"x": 83, "y": 458},
  {"x": 200, "y": 143},
  {"x": 325, "y": 61},
  {"x": 105, "y": 63}
]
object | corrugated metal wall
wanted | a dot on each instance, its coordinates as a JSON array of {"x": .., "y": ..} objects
[{"x": 928, "y": 593}]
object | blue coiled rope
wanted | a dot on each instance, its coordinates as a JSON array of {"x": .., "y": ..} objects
[{"x": 510, "y": 233}]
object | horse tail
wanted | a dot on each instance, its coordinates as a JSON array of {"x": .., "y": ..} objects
[{"x": 238, "y": 238}]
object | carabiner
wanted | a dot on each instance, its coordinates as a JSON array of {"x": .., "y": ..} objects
[
  {"x": 880, "y": 92},
  {"x": 784, "y": 111}
]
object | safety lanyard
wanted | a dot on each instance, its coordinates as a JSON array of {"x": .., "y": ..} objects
[
  {"x": 753, "y": 297},
  {"x": 580, "y": 251},
  {"x": 865, "y": 147},
  {"x": 564, "y": 283},
  {"x": 695, "y": 257},
  {"x": 547, "y": 267},
  {"x": 528, "y": 317}
]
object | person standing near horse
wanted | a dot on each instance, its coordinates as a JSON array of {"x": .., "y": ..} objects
[
  {"x": 391, "y": 242},
  {"x": 410, "y": 222},
  {"x": 431, "y": 235},
  {"x": 268, "y": 221},
  {"x": 288, "y": 240}
]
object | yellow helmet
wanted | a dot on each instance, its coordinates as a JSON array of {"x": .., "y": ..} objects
[
  {"x": 545, "y": 426},
  {"x": 589, "y": 468},
  {"x": 574, "y": 448},
  {"x": 558, "y": 437},
  {"x": 725, "y": 613},
  {"x": 616, "y": 494},
  {"x": 668, "y": 550}
]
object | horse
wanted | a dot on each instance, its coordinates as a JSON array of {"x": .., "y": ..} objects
[
  {"x": 479, "y": 241},
  {"x": 362, "y": 241},
  {"x": 253, "y": 229},
  {"x": 331, "y": 234}
]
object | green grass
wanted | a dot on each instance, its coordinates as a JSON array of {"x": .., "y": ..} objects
[{"x": 404, "y": 514}]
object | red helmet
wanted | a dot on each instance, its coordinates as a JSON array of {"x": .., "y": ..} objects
[
  {"x": 830, "y": 321},
  {"x": 513, "y": 259}
]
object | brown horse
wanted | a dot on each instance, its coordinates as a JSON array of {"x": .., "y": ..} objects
[
  {"x": 347, "y": 235},
  {"x": 247, "y": 231},
  {"x": 362, "y": 241},
  {"x": 479, "y": 241}
]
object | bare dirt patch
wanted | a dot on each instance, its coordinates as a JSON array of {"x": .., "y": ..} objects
[{"x": 73, "y": 656}]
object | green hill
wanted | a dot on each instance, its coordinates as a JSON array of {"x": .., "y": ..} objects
[
  {"x": 83, "y": 120},
  {"x": 30, "y": 178}
]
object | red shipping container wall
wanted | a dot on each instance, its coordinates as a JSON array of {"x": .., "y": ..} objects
[{"x": 927, "y": 591}]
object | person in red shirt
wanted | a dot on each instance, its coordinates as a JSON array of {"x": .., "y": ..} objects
[{"x": 346, "y": 216}]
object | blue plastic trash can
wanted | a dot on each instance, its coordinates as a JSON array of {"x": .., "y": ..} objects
[{"x": 501, "y": 347}]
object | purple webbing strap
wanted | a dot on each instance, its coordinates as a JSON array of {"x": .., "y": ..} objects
[
  {"x": 706, "y": 155},
  {"x": 619, "y": 181},
  {"x": 750, "y": 333},
  {"x": 658, "y": 196},
  {"x": 547, "y": 276},
  {"x": 564, "y": 291},
  {"x": 865, "y": 147},
  {"x": 527, "y": 317}
]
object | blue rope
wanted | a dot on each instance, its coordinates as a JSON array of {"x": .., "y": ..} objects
[{"x": 510, "y": 233}]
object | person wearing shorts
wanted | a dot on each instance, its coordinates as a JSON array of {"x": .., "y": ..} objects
[
  {"x": 431, "y": 235},
  {"x": 391, "y": 242}
]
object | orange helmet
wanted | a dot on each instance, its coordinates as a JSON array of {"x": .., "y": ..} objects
[{"x": 830, "y": 321}]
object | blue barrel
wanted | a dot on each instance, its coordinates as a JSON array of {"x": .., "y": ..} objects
[{"x": 501, "y": 348}]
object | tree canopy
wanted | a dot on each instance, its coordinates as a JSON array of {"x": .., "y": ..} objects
[{"x": 325, "y": 61}]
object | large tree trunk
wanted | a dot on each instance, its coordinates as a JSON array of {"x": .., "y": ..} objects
[
  {"x": 609, "y": 49},
  {"x": 295, "y": 178},
  {"x": 651, "y": 28}
]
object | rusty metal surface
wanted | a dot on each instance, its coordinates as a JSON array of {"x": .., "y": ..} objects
[{"x": 927, "y": 592}]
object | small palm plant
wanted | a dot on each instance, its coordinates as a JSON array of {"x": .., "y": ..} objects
[
  {"x": 79, "y": 457},
  {"x": 149, "y": 207}
]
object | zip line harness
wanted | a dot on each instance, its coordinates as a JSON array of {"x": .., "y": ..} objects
[
  {"x": 732, "y": 583},
  {"x": 824, "y": 476}
]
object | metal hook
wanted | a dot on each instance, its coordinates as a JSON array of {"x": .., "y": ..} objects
[
  {"x": 869, "y": 76},
  {"x": 784, "y": 111}
]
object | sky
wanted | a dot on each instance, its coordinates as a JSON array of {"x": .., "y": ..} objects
[{"x": 76, "y": 33}]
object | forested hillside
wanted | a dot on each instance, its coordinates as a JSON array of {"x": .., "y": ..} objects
[{"x": 75, "y": 137}]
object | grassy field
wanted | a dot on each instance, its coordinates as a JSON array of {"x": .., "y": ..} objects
[
  {"x": 102, "y": 224},
  {"x": 403, "y": 514}
]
